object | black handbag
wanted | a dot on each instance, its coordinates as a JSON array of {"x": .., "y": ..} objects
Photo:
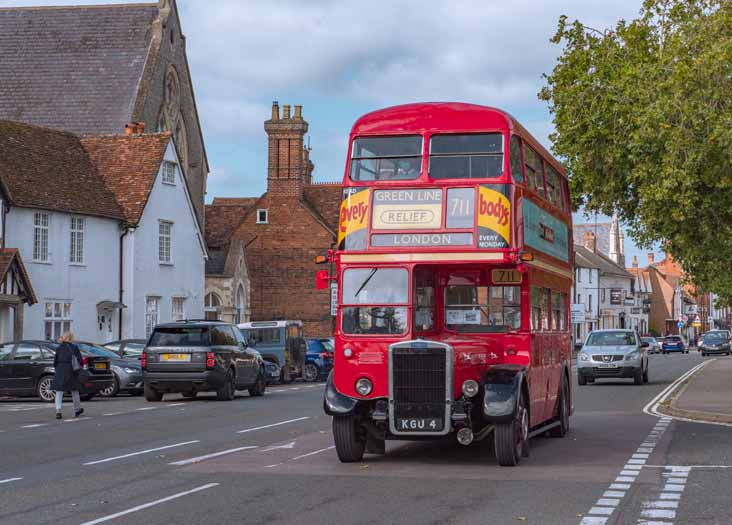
[{"x": 75, "y": 365}]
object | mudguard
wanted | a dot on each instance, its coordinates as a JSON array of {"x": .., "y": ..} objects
[
  {"x": 502, "y": 386},
  {"x": 335, "y": 403}
]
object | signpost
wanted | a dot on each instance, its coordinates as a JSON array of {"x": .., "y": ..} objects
[{"x": 578, "y": 313}]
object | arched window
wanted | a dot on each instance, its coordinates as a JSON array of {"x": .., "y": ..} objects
[
  {"x": 240, "y": 304},
  {"x": 212, "y": 305}
]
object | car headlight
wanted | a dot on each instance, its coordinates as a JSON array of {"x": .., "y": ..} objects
[
  {"x": 632, "y": 356},
  {"x": 584, "y": 357},
  {"x": 470, "y": 388},
  {"x": 364, "y": 386},
  {"x": 133, "y": 370}
]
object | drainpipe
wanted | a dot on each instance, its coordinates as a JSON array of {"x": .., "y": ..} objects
[{"x": 125, "y": 231}]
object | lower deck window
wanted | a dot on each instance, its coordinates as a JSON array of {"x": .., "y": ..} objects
[
  {"x": 483, "y": 308},
  {"x": 377, "y": 320}
]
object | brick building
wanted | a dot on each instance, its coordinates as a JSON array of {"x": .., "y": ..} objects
[
  {"x": 283, "y": 230},
  {"x": 91, "y": 70}
]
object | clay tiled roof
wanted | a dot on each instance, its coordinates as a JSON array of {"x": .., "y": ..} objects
[
  {"x": 9, "y": 257},
  {"x": 222, "y": 218},
  {"x": 128, "y": 165},
  {"x": 50, "y": 169},
  {"x": 325, "y": 199},
  {"x": 74, "y": 68}
]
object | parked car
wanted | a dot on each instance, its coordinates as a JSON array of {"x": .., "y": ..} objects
[
  {"x": 715, "y": 342},
  {"x": 127, "y": 373},
  {"x": 318, "y": 360},
  {"x": 26, "y": 370},
  {"x": 613, "y": 354},
  {"x": 654, "y": 346},
  {"x": 673, "y": 343},
  {"x": 127, "y": 348},
  {"x": 200, "y": 356},
  {"x": 272, "y": 372},
  {"x": 281, "y": 342}
]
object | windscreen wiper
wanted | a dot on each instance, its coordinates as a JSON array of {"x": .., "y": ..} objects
[{"x": 366, "y": 281}]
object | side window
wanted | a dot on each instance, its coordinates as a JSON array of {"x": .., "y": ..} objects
[
  {"x": 424, "y": 300},
  {"x": 553, "y": 186},
  {"x": 534, "y": 170},
  {"x": 545, "y": 317},
  {"x": 5, "y": 351},
  {"x": 516, "y": 165},
  {"x": 559, "y": 311},
  {"x": 535, "y": 308},
  {"x": 26, "y": 352},
  {"x": 566, "y": 200},
  {"x": 222, "y": 336}
]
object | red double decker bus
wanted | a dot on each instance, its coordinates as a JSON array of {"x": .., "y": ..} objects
[{"x": 453, "y": 271}]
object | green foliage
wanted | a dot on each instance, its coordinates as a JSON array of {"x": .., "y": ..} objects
[{"x": 643, "y": 118}]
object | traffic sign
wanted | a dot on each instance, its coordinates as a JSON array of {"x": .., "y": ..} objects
[
  {"x": 578, "y": 313},
  {"x": 680, "y": 324}
]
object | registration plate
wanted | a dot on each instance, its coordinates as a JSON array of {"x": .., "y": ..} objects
[
  {"x": 607, "y": 365},
  {"x": 176, "y": 357},
  {"x": 419, "y": 424},
  {"x": 100, "y": 366}
]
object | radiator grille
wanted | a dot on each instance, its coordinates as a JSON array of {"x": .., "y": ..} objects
[{"x": 419, "y": 382}]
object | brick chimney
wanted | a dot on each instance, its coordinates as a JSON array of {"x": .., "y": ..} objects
[
  {"x": 287, "y": 164},
  {"x": 135, "y": 128},
  {"x": 651, "y": 258},
  {"x": 589, "y": 241},
  {"x": 635, "y": 262}
]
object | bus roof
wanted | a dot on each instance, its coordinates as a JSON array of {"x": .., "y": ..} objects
[{"x": 458, "y": 117}]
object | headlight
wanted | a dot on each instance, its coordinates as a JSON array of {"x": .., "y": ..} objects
[
  {"x": 364, "y": 386},
  {"x": 133, "y": 370},
  {"x": 584, "y": 357},
  {"x": 347, "y": 352},
  {"x": 632, "y": 356},
  {"x": 470, "y": 388}
]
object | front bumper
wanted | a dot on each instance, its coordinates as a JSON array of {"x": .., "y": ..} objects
[
  {"x": 674, "y": 349},
  {"x": 96, "y": 384},
  {"x": 594, "y": 372},
  {"x": 129, "y": 381},
  {"x": 184, "y": 381},
  {"x": 718, "y": 350}
]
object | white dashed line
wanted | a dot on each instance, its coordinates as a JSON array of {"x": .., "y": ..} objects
[
  {"x": 175, "y": 405},
  {"x": 151, "y": 504},
  {"x": 145, "y": 408},
  {"x": 124, "y": 456},
  {"x": 273, "y": 425},
  {"x": 210, "y": 456},
  {"x": 35, "y": 425},
  {"x": 9, "y": 480},
  {"x": 312, "y": 453}
]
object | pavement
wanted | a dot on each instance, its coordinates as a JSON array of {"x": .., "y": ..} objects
[
  {"x": 271, "y": 459},
  {"x": 707, "y": 394}
]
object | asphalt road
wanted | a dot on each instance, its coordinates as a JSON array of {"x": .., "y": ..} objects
[{"x": 257, "y": 460}]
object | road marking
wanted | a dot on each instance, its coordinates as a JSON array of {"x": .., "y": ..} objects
[
  {"x": 613, "y": 494},
  {"x": 9, "y": 480},
  {"x": 273, "y": 425},
  {"x": 211, "y": 456},
  {"x": 273, "y": 466},
  {"x": 620, "y": 486},
  {"x": 106, "y": 460},
  {"x": 76, "y": 419},
  {"x": 35, "y": 425},
  {"x": 113, "y": 414},
  {"x": 603, "y": 511},
  {"x": 151, "y": 504},
  {"x": 593, "y": 520},
  {"x": 277, "y": 447},
  {"x": 146, "y": 408},
  {"x": 175, "y": 405},
  {"x": 312, "y": 453}
]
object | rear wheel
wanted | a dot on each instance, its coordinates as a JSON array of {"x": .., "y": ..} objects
[
  {"x": 350, "y": 445},
  {"x": 310, "y": 372},
  {"x": 44, "y": 391},
  {"x": 512, "y": 438},
  {"x": 563, "y": 413},
  {"x": 638, "y": 376},
  {"x": 227, "y": 392},
  {"x": 645, "y": 374},
  {"x": 152, "y": 395},
  {"x": 112, "y": 390},
  {"x": 86, "y": 397},
  {"x": 260, "y": 386}
]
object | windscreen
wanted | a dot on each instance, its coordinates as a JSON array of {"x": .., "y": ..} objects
[
  {"x": 611, "y": 339},
  {"x": 386, "y": 158},
  {"x": 180, "y": 336},
  {"x": 375, "y": 286},
  {"x": 263, "y": 336},
  {"x": 474, "y": 156}
]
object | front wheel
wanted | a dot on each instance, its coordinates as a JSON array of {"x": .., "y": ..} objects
[
  {"x": 44, "y": 391},
  {"x": 310, "y": 372},
  {"x": 562, "y": 413},
  {"x": 582, "y": 380},
  {"x": 645, "y": 374},
  {"x": 638, "y": 376},
  {"x": 512, "y": 438},
  {"x": 350, "y": 445},
  {"x": 152, "y": 395}
]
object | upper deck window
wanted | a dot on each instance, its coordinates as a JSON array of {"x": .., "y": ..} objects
[
  {"x": 554, "y": 186},
  {"x": 386, "y": 158},
  {"x": 474, "y": 156},
  {"x": 534, "y": 172}
]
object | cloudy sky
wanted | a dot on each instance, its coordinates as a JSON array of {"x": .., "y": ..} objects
[{"x": 342, "y": 58}]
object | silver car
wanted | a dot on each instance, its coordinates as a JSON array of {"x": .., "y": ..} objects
[{"x": 613, "y": 354}]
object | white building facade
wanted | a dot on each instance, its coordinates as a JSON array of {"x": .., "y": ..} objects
[{"x": 585, "y": 292}]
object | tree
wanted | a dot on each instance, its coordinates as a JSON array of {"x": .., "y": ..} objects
[{"x": 643, "y": 118}]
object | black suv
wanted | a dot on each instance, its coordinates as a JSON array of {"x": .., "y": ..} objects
[{"x": 200, "y": 356}]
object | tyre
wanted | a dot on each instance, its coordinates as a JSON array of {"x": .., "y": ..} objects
[
  {"x": 86, "y": 397},
  {"x": 645, "y": 374},
  {"x": 227, "y": 392},
  {"x": 285, "y": 377},
  {"x": 190, "y": 395},
  {"x": 152, "y": 395},
  {"x": 349, "y": 442},
  {"x": 113, "y": 390},
  {"x": 638, "y": 376},
  {"x": 260, "y": 386},
  {"x": 703, "y": 354},
  {"x": 582, "y": 380},
  {"x": 511, "y": 438},
  {"x": 310, "y": 372},
  {"x": 563, "y": 412},
  {"x": 44, "y": 391}
]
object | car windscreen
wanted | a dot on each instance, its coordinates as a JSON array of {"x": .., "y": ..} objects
[
  {"x": 180, "y": 336},
  {"x": 97, "y": 350},
  {"x": 648, "y": 340},
  {"x": 716, "y": 338},
  {"x": 133, "y": 349},
  {"x": 611, "y": 339}
]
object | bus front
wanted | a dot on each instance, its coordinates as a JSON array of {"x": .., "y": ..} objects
[{"x": 432, "y": 335}]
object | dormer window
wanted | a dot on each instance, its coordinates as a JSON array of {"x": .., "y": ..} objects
[
  {"x": 262, "y": 216},
  {"x": 169, "y": 170}
]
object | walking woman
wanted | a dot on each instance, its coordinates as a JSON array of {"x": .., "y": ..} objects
[{"x": 67, "y": 365}]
